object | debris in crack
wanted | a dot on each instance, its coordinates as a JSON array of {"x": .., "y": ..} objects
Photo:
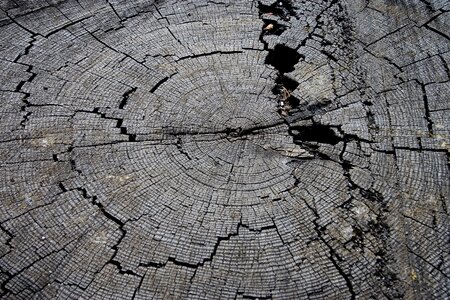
[
  {"x": 285, "y": 82},
  {"x": 273, "y": 27},
  {"x": 282, "y": 9},
  {"x": 284, "y": 87},
  {"x": 282, "y": 58}
]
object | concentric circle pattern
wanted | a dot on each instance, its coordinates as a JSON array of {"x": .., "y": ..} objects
[{"x": 224, "y": 149}]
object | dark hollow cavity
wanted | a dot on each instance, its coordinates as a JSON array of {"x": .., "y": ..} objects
[
  {"x": 283, "y": 58},
  {"x": 315, "y": 133}
]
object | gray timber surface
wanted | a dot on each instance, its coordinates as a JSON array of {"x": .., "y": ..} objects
[{"x": 224, "y": 149}]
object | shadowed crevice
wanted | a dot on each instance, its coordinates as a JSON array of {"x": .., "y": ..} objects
[
  {"x": 315, "y": 133},
  {"x": 283, "y": 58}
]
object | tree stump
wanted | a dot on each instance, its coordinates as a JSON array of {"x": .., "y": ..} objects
[{"x": 225, "y": 149}]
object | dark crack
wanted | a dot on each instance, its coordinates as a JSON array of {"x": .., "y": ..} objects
[
  {"x": 427, "y": 109},
  {"x": 209, "y": 54},
  {"x": 125, "y": 97},
  {"x": 157, "y": 85},
  {"x": 26, "y": 95},
  {"x": 94, "y": 201},
  {"x": 281, "y": 57},
  {"x": 334, "y": 257},
  {"x": 180, "y": 148}
]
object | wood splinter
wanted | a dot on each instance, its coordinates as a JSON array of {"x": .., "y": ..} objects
[{"x": 268, "y": 27}]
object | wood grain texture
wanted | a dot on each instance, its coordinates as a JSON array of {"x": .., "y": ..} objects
[{"x": 224, "y": 149}]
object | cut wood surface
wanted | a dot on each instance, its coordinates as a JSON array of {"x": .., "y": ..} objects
[{"x": 224, "y": 149}]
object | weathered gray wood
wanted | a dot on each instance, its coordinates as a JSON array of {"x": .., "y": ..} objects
[{"x": 224, "y": 149}]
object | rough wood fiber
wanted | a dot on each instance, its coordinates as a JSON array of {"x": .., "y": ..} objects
[{"x": 224, "y": 149}]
